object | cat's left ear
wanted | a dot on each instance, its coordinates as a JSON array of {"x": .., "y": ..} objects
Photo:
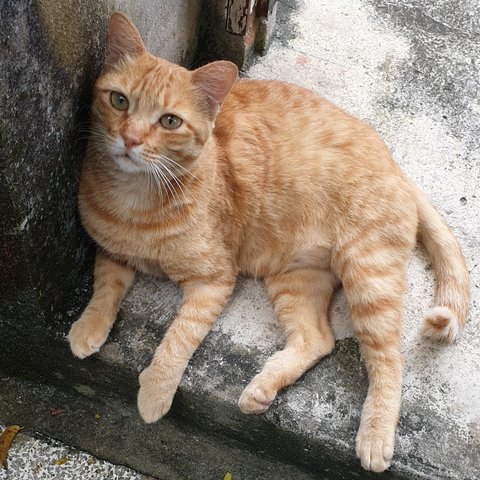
[
  {"x": 215, "y": 80},
  {"x": 123, "y": 39}
]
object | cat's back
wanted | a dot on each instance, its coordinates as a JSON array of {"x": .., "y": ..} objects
[
  {"x": 286, "y": 138},
  {"x": 271, "y": 118},
  {"x": 279, "y": 105}
]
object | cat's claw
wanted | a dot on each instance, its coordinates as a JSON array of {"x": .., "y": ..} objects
[
  {"x": 374, "y": 449},
  {"x": 256, "y": 399},
  {"x": 86, "y": 338},
  {"x": 154, "y": 399}
]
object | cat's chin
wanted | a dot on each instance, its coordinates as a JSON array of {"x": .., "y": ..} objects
[{"x": 128, "y": 164}]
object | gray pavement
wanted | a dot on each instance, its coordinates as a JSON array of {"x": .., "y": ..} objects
[{"x": 46, "y": 459}]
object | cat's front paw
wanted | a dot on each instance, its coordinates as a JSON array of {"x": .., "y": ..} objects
[
  {"x": 257, "y": 397},
  {"x": 375, "y": 448},
  {"x": 86, "y": 337},
  {"x": 155, "y": 395}
]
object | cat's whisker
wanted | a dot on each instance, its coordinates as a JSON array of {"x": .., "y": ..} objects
[
  {"x": 155, "y": 181},
  {"x": 164, "y": 180},
  {"x": 171, "y": 188},
  {"x": 89, "y": 133},
  {"x": 175, "y": 175},
  {"x": 195, "y": 63},
  {"x": 180, "y": 184},
  {"x": 179, "y": 172},
  {"x": 149, "y": 179},
  {"x": 168, "y": 175},
  {"x": 157, "y": 178},
  {"x": 183, "y": 169},
  {"x": 180, "y": 168},
  {"x": 183, "y": 188}
]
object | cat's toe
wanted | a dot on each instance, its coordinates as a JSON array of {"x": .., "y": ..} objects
[
  {"x": 154, "y": 399},
  {"x": 374, "y": 449},
  {"x": 256, "y": 398},
  {"x": 85, "y": 339}
]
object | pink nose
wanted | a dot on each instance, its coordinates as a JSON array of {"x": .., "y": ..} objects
[{"x": 130, "y": 139}]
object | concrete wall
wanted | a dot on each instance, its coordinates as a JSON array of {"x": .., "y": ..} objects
[{"x": 51, "y": 53}]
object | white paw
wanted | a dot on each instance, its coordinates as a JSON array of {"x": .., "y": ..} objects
[
  {"x": 86, "y": 337},
  {"x": 375, "y": 448},
  {"x": 440, "y": 324},
  {"x": 155, "y": 396},
  {"x": 256, "y": 398}
]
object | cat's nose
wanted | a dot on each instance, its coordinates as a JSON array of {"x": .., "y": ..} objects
[{"x": 130, "y": 140}]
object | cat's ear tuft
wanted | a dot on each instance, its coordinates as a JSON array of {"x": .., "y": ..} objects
[
  {"x": 123, "y": 39},
  {"x": 215, "y": 80}
]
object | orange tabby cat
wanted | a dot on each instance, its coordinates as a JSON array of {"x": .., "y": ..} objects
[{"x": 200, "y": 177}]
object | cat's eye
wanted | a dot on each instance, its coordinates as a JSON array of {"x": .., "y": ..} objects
[
  {"x": 119, "y": 100},
  {"x": 170, "y": 121}
]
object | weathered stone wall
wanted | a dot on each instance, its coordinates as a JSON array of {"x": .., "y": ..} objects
[
  {"x": 51, "y": 53},
  {"x": 235, "y": 30}
]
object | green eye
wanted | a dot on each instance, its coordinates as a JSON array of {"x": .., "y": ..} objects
[
  {"x": 119, "y": 100},
  {"x": 170, "y": 121}
]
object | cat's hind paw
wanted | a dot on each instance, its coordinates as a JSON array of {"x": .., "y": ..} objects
[
  {"x": 86, "y": 338},
  {"x": 374, "y": 449},
  {"x": 256, "y": 398},
  {"x": 154, "y": 397}
]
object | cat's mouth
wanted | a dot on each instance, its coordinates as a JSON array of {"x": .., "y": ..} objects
[
  {"x": 124, "y": 156},
  {"x": 127, "y": 162}
]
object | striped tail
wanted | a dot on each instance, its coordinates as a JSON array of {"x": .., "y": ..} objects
[{"x": 452, "y": 293}]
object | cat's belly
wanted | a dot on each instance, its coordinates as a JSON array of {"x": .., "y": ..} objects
[
  {"x": 263, "y": 262},
  {"x": 144, "y": 265}
]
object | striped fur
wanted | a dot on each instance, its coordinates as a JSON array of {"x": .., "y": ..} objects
[{"x": 277, "y": 184}]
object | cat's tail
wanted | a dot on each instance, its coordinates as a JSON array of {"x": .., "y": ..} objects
[{"x": 452, "y": 292}]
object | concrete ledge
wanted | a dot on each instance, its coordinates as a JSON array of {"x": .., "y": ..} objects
[
  {"x": 313, "y": 423},
  {"x": 310, "y": 427}
]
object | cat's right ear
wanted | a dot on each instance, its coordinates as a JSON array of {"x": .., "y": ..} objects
[
  {"x": 123, "y": 39},
  {"x": 215, "y": 80}
]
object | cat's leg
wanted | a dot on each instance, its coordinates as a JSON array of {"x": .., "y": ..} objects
[
  {"x": 374, "y": 284},
  {"x": 202, "y": 304},
  {"x": 300, "y": 299},
  {"x": 111, "y": 283}
]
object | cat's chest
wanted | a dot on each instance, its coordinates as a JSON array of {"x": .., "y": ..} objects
[
  {"x": 126, "y": 237},
  {"x": 169, "y": 245},
  {"x": 120, "y": 238}
]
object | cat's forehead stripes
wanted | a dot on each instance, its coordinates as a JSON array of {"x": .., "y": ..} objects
[
  {"x": 150, "y": 80},
  {"x": 139, "y": 84},
  {"x": 161, "y": 89}
]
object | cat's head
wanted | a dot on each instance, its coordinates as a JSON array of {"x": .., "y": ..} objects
[{"x": 148, "y": 111}]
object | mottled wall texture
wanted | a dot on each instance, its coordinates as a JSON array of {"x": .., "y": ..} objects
[{"x": 51, "y": 52}]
